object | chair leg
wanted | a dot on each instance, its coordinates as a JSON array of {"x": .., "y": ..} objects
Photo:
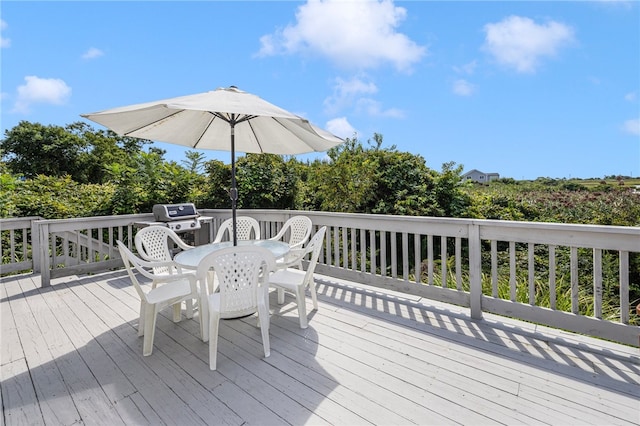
[
  {"x": 149, "y": 329},
  {"x": 203, "y": 306},
  {"x": 263, "y": 317},
  {"x": 177, "y": 312},
  {"x": 189, "y": 312},
  {"x": 210, "y": 281},
  {"x": 214, "y": 325},
  {"x": 314, "y": 295},
  {"x": 280, "y": 296},
  {"x": 302, "y": 307},
  {"x": 141, "y": 319}
]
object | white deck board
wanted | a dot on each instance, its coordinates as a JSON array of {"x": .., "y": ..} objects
[{"x": 71, "y": 354}]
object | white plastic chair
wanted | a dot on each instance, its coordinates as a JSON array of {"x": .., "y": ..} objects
[
  {"x": 299, "y": 230},
  {"x": 296, "y": 281},
  {"x": 169, "y": 290},
  {"x": 245, "y": 226},
  {"x": 242, "y": 273},
  {"x": 152, "y": 244}
]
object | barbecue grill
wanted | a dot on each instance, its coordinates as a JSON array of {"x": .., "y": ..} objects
[
  {"x": 183, "y": 219},
  {"x": 178, "y": 217}
]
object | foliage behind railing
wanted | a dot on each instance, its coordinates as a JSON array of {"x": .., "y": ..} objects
[{"x": 565, "y": 276}]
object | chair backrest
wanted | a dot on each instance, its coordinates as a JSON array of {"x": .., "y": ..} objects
[
  {"x": 152, "y": 243},
  {"x": 245, "y": 226},
  {"x": 299, "y": 228},
  {"x": 133, "y": 263},
  {"x": 314, "y": 247},
  {"x": 241, "y": 272}
]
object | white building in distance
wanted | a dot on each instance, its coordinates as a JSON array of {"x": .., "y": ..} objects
[{"x": 480, "y": 177}]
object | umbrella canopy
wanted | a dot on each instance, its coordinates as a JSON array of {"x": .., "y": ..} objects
[{"x": 226, "y": 119}]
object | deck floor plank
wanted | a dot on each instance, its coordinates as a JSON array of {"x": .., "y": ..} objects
[
  {"x": 159, "y": 379},
  {"x": 88, "y": 396},
  {"x": 191, "y": 352},
  {"x": 71, "y": 354},
  {"x": 55, "y": 402},
  {"x": 298, "y": 363},
  {"x": 354, "y": 342},
  {"x": 497, "y": 361}
]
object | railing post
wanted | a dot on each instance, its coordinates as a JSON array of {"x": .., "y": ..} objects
[
  {"x": 45, "y": 260},
  {"x": 475, "y": 271},
  {"x": 35, "y": 245}
]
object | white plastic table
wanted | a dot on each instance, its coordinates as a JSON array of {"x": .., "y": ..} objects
[{"x": 190, "y": 259}]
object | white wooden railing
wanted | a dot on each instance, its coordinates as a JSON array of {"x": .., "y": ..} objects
[{"x": 461, "y": 261}]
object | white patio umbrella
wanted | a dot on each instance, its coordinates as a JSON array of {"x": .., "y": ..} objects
[{"x": 223, "y": 119}]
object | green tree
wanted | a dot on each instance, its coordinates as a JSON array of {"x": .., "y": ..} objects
[
  {"x": 217, "y": 180},
  {"x": 32, "y": 149},
  {"x": 265, "y": 182},
  {"x": 449, "y": 191},
  {"x": 370, "y": 180},
  {"x": 194, "y": 162},
  {"x": 77, "y": 150},
  {"x": 60, "y": 197}
]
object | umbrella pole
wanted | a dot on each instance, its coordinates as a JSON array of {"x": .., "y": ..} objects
[{"x": 234, "y": 189}]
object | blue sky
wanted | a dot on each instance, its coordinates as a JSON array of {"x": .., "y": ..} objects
[{"x": 524, "y": 89}]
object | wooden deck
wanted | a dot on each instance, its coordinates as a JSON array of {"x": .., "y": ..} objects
[{"x": 71, "y": 355}]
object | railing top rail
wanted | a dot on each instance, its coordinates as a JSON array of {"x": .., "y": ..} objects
[
  {"x": 15, "y": 219},
  {"x": 124, "y": 217}
]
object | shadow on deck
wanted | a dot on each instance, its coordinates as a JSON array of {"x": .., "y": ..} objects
[{"x": 71, "y": 354}]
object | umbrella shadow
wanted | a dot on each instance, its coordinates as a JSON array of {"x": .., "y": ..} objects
[{"x": 92, "y": 369}]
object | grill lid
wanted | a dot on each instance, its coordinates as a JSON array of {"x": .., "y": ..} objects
[{"x": 170, "y": 212}]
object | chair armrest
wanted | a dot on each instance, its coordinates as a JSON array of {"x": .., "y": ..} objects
[
  {"x": 294, "y": 257},
  {"x": 279, "y": 235},
  {"x": 182, "y": 245},
  {"x": 142, "y": 265}
]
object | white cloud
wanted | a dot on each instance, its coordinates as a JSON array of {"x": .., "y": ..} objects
[
  {"x": 355, "y": 93},
  {"x": 41, "y": 91},
  {"x": 345, "y": 93},
  {"x": 518, "y": 42},
  {"x": 340, "y": 127},
  {"x": 374, "y": 108},
  {"x": 4, "y": 42},
  {"x": 631, "y": 96},
  {"x": 632, "y": 126},
  {"x": 92, "y": 53},
  {"x": 463, "y": 88},
  {"x": 352, "y": 34},
  {"x": 469, "y": 68}
]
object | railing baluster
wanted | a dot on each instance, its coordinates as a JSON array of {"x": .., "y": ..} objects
[
  {"x": 531, "y": 273},
  {"x": 12, "y": 244},
  {"x": 354, "y": 265},
  {"x": 512, "y": 270},
  {"x": 405, "y": 256},
  {"x": 345, "y": 248},
  {"x": 552, "y": 276},
  {"x": 443, "y": 261},
  {"x": 336, "y": 246},
  {"x": 494, "y": 268},
  {"x": 575, "y": 308},
  {"x": 394, "y": 255},
  {"x": 459, "y": 263},
  {"x": 430, "y": 259},
  {"x": 624, "y": 286},
  {"x": 417, "y": 250},
  {"x": 372, "y": 243},
  {"x": 363, "y": 250},
  {"x": 597, "y": 283},
  {"x": 383, "y": 254}
]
